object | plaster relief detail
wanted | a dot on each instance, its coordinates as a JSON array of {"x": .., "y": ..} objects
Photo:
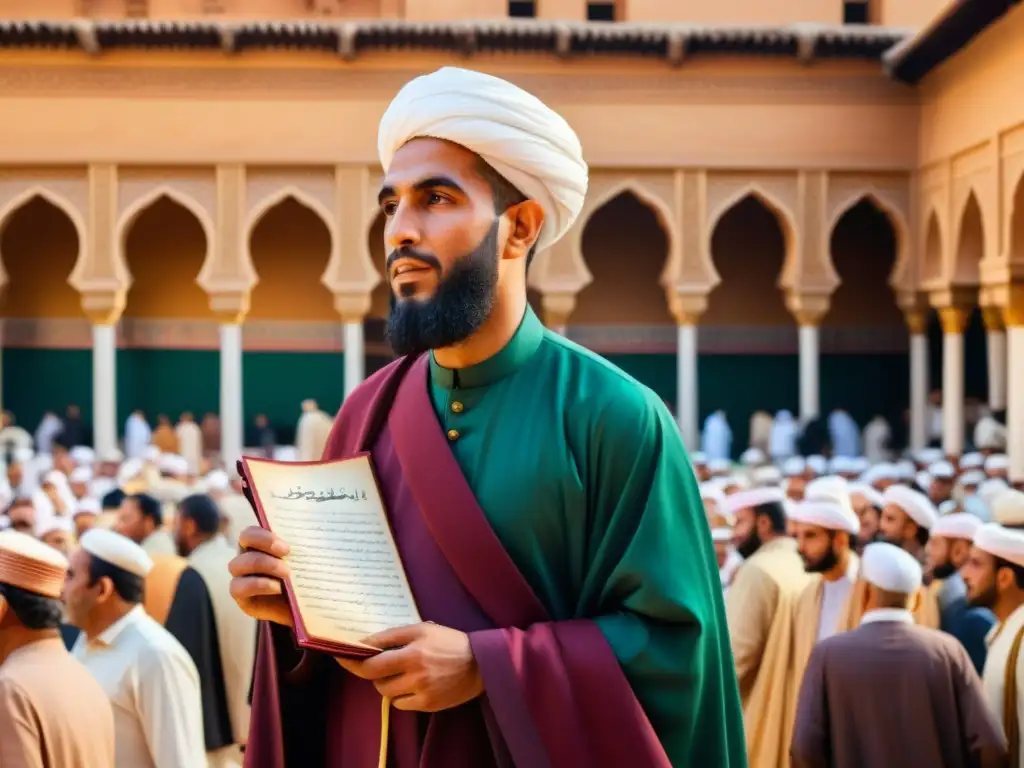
[{"x": 314, "y": 188}]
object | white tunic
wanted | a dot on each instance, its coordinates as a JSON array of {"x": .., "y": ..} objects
[
  {"x": 834, "y": 595},
  {"x": 1000, "y": 639},
  {"x": 153, "y": 687}
]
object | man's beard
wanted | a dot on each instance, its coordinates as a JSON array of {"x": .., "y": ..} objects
[
  {"x": 825, "y": 563},
  {"x": 461, "y": 303},
  {"x": 986, "y": 599},
  {"x": 943, "y": 570},
  {"x": 749, "y": 545}
]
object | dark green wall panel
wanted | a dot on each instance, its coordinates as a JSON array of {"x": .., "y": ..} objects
[
  {"x": 167, "y": 381},
  {"x": 38, "y": 380},
  {"x": 276, "y": 383}
]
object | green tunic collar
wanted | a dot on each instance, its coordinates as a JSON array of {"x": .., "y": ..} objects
[{"x": 519, "y": 349}]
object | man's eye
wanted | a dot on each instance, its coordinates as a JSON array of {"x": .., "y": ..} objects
[
  {"x": 389, "y": 208},
  {"x": 435, "y": 199}
]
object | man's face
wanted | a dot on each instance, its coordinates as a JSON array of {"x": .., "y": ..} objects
[
  {"x": 442, "y": 237},
  {"x": 23, "y": 517},
  {"x": 79, "y": 597},
  {"x": 937, "y": 557},
  {"x": 795, "y": 487},
  {"x": 721, "y": 553},
  {"x": 745, "y": 537},
  {"x": 79, "y": 489},
  {"x": 132, "y": 523},
  {"x": 940, "y": 490},
  {"x": 867, "y": 515},
  {"x": 979, "y": 573},
  {"x": 83, "y": 522},
  {"x": 816, "y": 547},
  {"x": 893, "y": 525},
  {"x": 59, "y": 540}
]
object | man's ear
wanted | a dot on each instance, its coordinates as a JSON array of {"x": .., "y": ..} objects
[
  {"x": 3, "y": 609},
  {"x": 525, "y": 220}
]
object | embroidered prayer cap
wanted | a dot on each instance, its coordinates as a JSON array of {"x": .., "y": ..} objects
[
  {"x": 817, "y": 464},
  {"x": 752, "y": 457},
  {"x": 872, "y": 495},
  {"x": 794, "y": 466},
  {"x": 958, "y": 525},
  {"x": 767, "y": 475},
  {"x": 1008, "y": 507},
  {"x": 88, "y": 506},
  {"x": 942, "y": 470},
  {"x": 997, "y": 462},
  {"x": 721, "y": 535},
  {"x": 27, "y": 563},
  {"x": 826, "y": 514},
  {"x": 82, "y": 455},
  {"x": 972, "y": 460},
  {"x": 1001, "y": 542},
  {"x": 915, "y": 504},
  {"x": 890, "y": 568},
  {"x": 513, "y": 131},
  {"x": 754, "y": 497},
  {"x": 118, "y": 550}
]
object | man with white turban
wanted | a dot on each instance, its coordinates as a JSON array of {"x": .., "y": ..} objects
[{"x": 533, "y": 488}]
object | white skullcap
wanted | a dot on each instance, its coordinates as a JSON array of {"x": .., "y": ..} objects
[
  {"x": 753, "y": 456},
  {"x": 55, "y": 523},
  {"x": 711, "y": 491},
  {"x": 817, "y": 464},
  {"x": 718, "y": 466},
  {"x": 827, "y": 514},
  {"x": 88, "y": 506},
  {"x": 767, "y": 475},
  {"x": 56, "y": 478},
  {"x": 997, "y": 462},
  {"x": 948, "y": 507},
  {"x": 1001, "y": 542},
  {"x": 942, "y": 470},
  {"x": 959, "y": 525},
  {"x": 169, "y": 463},
  {"x": 721, "y": 534},
  {"x": 905, "y": 469},
  {"x": 82, "y": 455},
  {"x": 873, "y": 496},
  {"x": 923, "y": 480},
  {"x": 928, "y": 456},
  {"x": 844, "y": 465},
  {"x": 752, "y": 498},
  {"x": 118, "y": 550},
  {"x": 972, "y": 461},
  {"x": 151, "y": 454},
  {"x": 80, "y": 475},
  {"x": 113, "y": 456},
  {"x": 513, "y": 131},
  {"x": 21, "y": 455},
  {"x": 736, "y": 481},
  {"x": 882, "y": 471},
  {"x": 1008, "y": 507},
  {"x": 698, "y": 459},
  {"x": 217, "y": 480},
  {"x": 989, "y": 489},
  {"x": 916, "y": 505},
  {"x": 129, "y": 471},
  {"x": 101, "y": 486},
  {"x": 972, "y": 477},
  {"x": 859, "y": 464},
  {"x": 828, "y": 488},
  {"x": 890, "y": 568},
  {"x": 794, "y": 466}
]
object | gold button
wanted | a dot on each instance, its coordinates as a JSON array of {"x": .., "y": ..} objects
[
  {"x": 458, "y": 407},
  {"x": 453, "y": 434}
]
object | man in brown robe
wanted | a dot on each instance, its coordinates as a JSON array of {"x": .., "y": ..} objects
[
  {"x": 52, "y": 712},
  {"x": 891, "y": 693}
]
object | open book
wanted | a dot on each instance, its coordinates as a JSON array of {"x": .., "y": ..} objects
[{"x": 347, "y": 581}]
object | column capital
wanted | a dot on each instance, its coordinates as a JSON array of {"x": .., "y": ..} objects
[
  {"x": 917, "y": 320},
  {"x": 1010, "y": 298},
  {"x": 993, "y": 318},
  {"x": 687, "y": 308},
  {"x": 557, "y": 307},
  {"x": 352, "y": 306},
  {"x": 954, "y": 319},
  {"x": 103, "y": 307},
  {"x": 230, "y": 307},
  {"x": 809, "y": 309}
]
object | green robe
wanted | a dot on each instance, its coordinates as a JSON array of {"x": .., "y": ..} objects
[{"x": 603, "y": 517}]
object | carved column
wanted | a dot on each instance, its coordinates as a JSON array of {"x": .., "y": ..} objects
[
  {"x": 995, "y": 337},
  {"x": 916, "y": 316},
  {"x": 954, "y": 313},
  {"x": 104, "y": 312},
  {"x": 231, "y": 310},
  {"x": 557, "y": 308},
  {"x": 353, "y": 307},
  {"x": 687, "y": 311},
  {"x": 809, "y": 309}
]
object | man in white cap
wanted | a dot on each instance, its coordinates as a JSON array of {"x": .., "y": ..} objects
[
  {"x": 890, "y": 693},
  {"x": 998, "y": 466},
  {"x": 943, "y": 476},
  {"x": 1008, "y": 508},
  {"x": 311, "y": 432},
  {"x": 994, "y": 574},
  {"x": 479, "y": 176},
  {"x": 949, "y": 546},
  {"x": 867, "y": 504},
  {"x": 907, "y": 516},
  {"x": 52, "y": 712},
  {"x": 759, "y": 605},
  {"x": 148, "y": 676}
]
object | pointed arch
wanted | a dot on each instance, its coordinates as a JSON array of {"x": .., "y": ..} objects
[
  {"x": 135, "y": 209},
  {"x": 769, "y": 201},
  {"x": 58, "y": 201},
  {"x": 897, "y": 221},
  {"x": 970, "y": 242},
  {"x": 297, "y": 194},
  {"x": 932, "y": 250},
  {"x": 1015, "y": 239}
]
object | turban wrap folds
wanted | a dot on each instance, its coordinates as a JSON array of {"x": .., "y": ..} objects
[{"x": 523, "y": 139}]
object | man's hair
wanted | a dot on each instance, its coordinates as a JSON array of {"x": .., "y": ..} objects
[
  {"x": 202, "y": 510},
  {"x": 1018, "y": 571},
  {"x": 775, "y": 512},
  {"x": 128, "y": 586},
  {"x": 922, "y": 535},
  {"x": 505, "y": 196},
  {"x": 32, "y": 610},
  {"x": 887, "y": 599},
  {"x": 149, "y": 507}
]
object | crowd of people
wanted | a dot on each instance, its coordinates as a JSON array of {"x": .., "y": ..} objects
[{"x": 875, "y": 610}]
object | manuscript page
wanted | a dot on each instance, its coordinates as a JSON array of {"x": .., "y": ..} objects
[{"x": 345, "y": 571}]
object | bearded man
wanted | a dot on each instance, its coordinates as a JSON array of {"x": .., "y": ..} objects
[{"x": 541, "y": 499}]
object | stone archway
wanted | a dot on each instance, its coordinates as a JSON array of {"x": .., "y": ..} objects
[
  {"x": 970, "y": 247},
  {"x": 39, "y": 246},
  {"x": 931, "y": 263}
]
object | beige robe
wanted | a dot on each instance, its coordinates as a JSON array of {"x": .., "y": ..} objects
[
  {"x": 236, "y": 632},
  {"x": 190, "y": 444},
  {"x": 759, "y": 608},
  {"x": 53, "y": 713},
  {"x": 311, "y": 435}
]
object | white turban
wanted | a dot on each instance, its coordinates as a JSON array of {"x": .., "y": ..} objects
[{"x": 523, "y": 139}]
